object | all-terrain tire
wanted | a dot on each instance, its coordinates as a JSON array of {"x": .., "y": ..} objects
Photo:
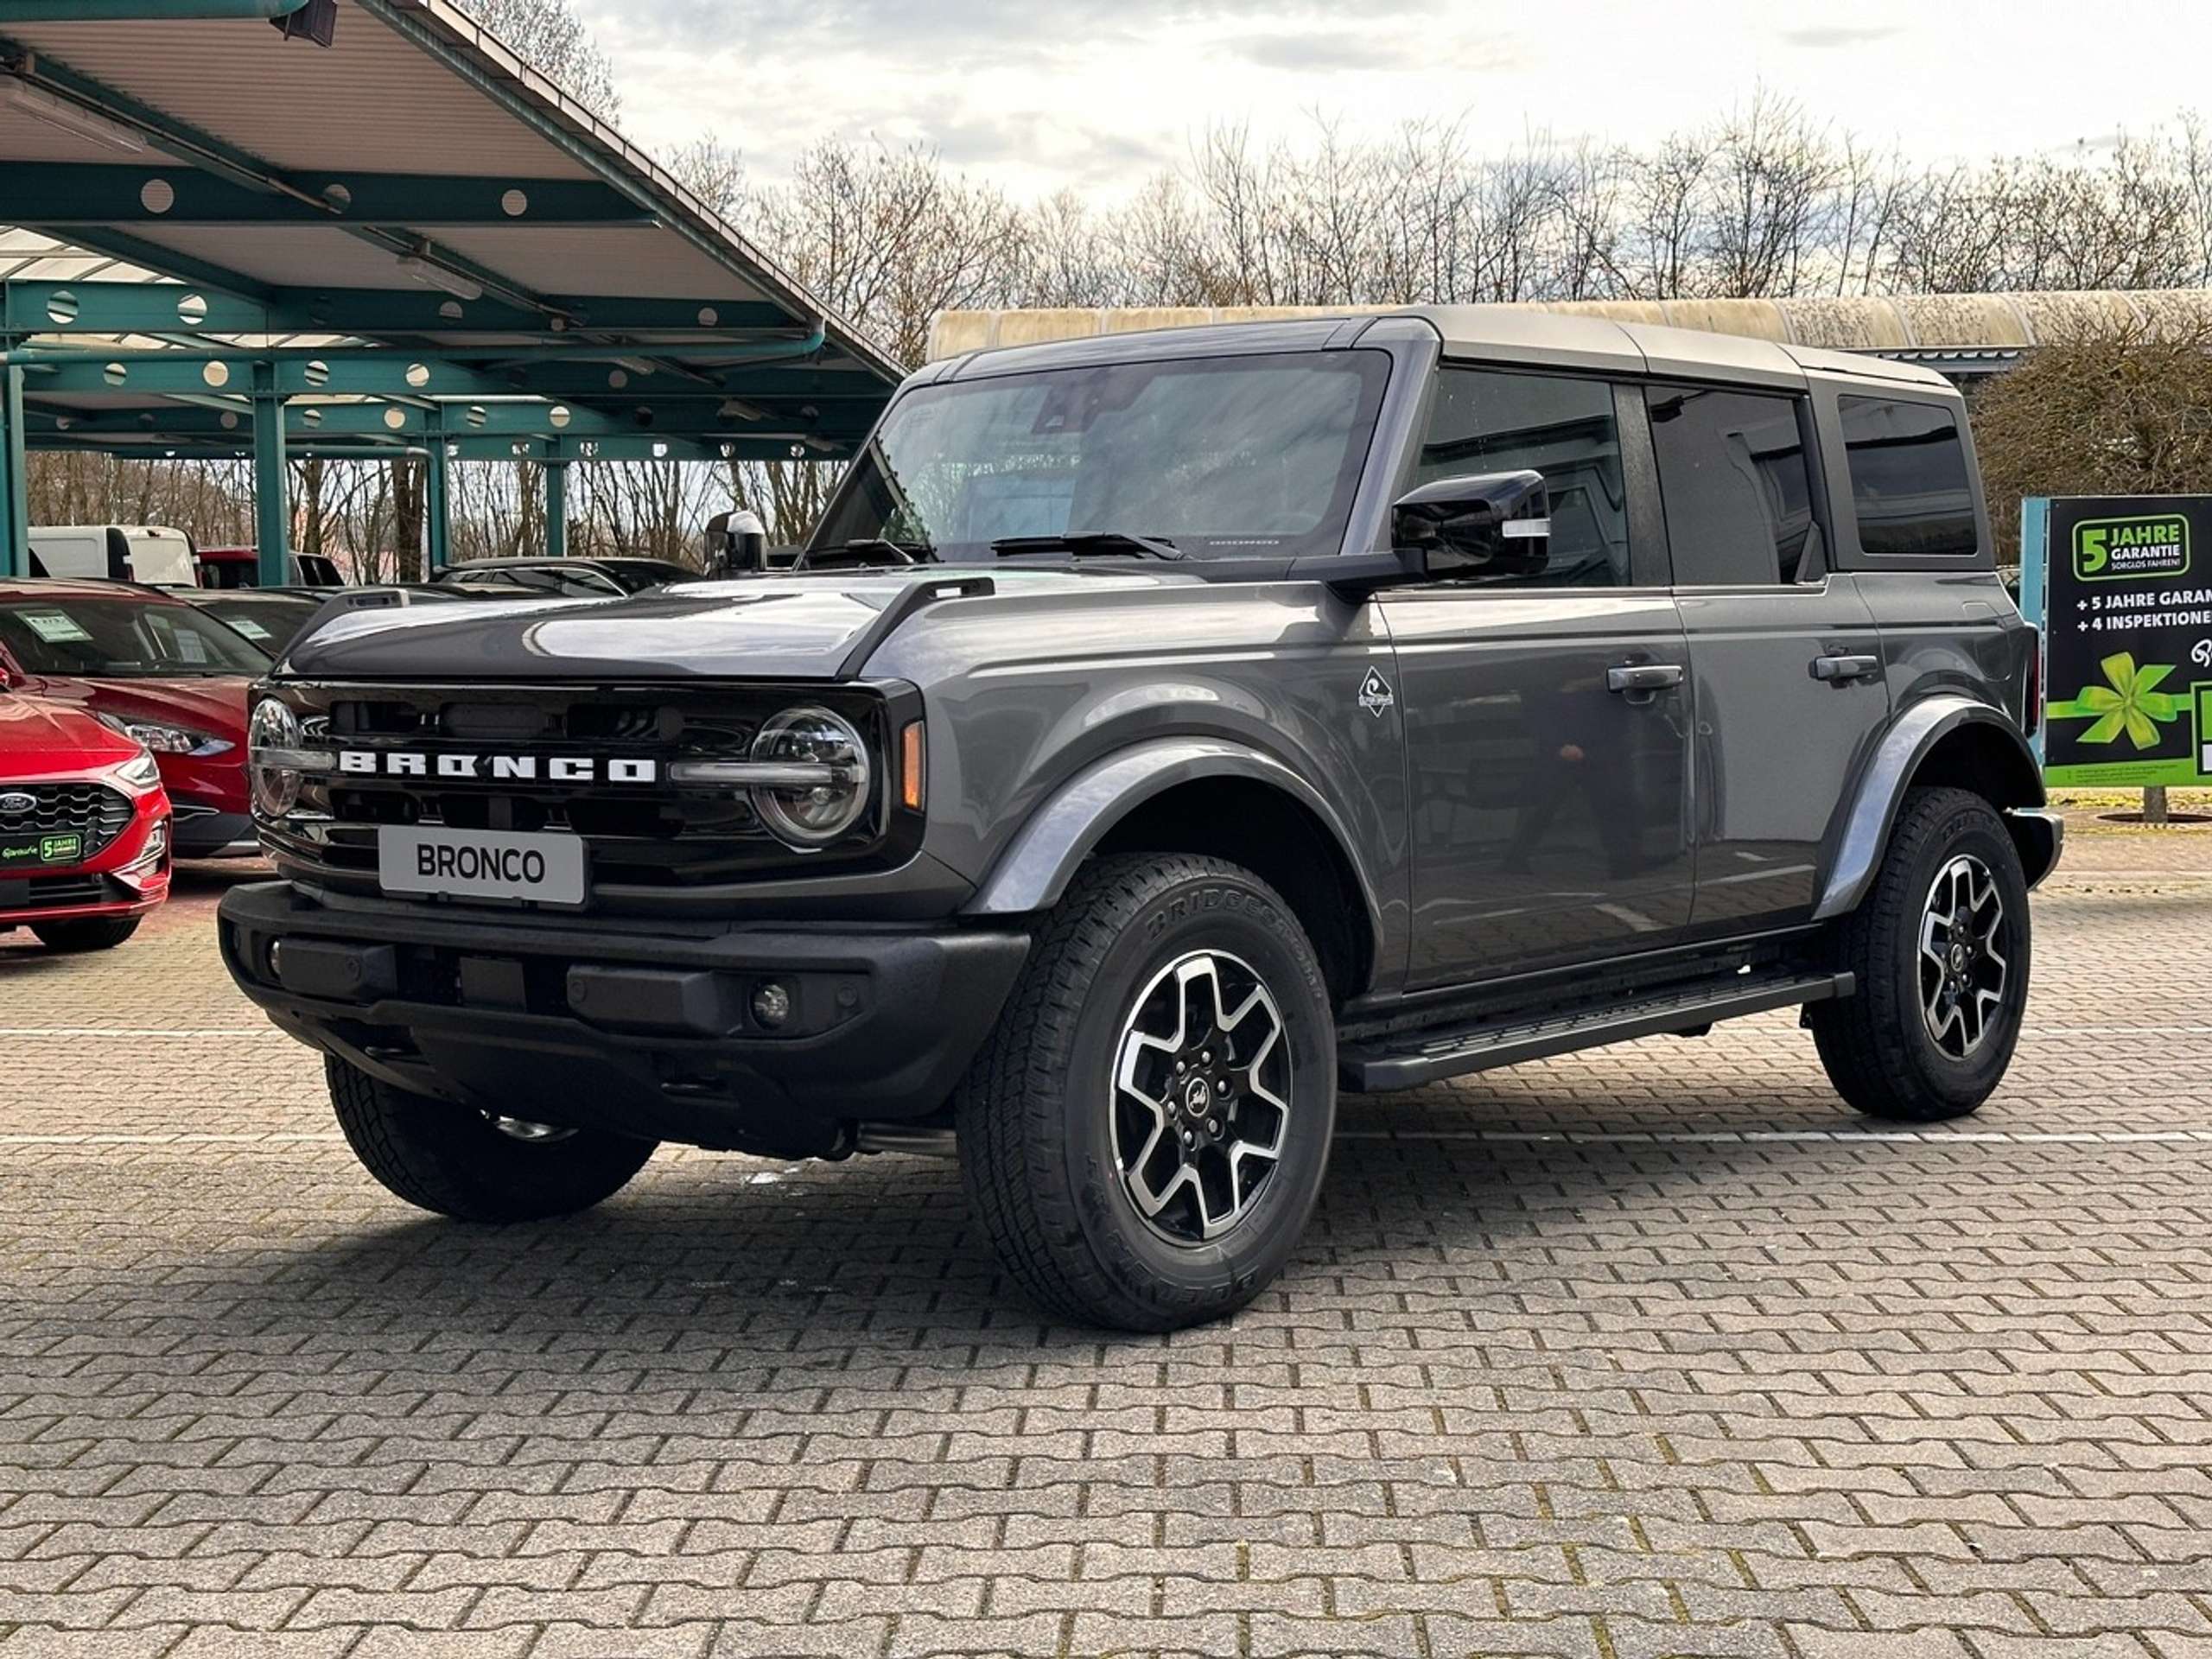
[
  {"x": 1041, "y": 1147},
  {"x": 453, "y": 1161},
  {"x": 1878, "y": 1046},
  {"x": 95, "y": 933}
]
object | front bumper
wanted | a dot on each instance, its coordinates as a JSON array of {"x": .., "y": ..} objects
[
  {"x": 644, "y": 1033},
  {"x": 204, "y": 832}
]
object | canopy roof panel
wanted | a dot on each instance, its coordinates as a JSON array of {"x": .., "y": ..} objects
[{"x": 411, "y": 195}]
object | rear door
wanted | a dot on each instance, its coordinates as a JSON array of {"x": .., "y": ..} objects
[
  {"x": 1550, "y": 803},
  {"x": 1785, "y": 657}
]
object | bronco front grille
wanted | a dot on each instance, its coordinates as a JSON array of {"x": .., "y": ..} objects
[
  {"x": 93, "y": 810},
  {"x": 639, "y": 838}
]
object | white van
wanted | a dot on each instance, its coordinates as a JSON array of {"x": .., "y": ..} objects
[{"x": 148, "y": 553}]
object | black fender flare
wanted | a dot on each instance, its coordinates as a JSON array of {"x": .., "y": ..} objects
[
  {"x": 1911, "y": 737},
  {"x": 1037, "y": 866}
]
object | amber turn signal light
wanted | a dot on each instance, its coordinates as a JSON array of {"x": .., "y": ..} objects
[{"x": 914, "y": 764}]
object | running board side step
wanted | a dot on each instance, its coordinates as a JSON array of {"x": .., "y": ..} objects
[{"x": 1408, "y": 1059}]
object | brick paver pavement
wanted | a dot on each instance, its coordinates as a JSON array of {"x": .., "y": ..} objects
[{"x": 1657, "y": 1351}]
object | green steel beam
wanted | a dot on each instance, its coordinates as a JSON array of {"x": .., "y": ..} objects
[
  {"x": 15, "y": 478},
  {"x": 370, "y": 420},
  {"x": 169, "y": 374},
  {"x": 393, "y": 374},
  {"x": 212, "y": 416},
  {"x": 556, "y": 509},
  {"x": 272, "y": 513},
  {"x": 51, "y": 193},
  {"x": 211, "y": 308}
]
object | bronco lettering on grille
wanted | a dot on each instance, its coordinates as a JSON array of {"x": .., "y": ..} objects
[{"x": 496, "y": 768}]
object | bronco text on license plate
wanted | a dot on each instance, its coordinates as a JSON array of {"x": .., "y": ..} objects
[{"x": 481, "y": 864}]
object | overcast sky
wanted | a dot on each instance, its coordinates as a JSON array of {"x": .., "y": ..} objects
[{"x": 1097, "y": 94}]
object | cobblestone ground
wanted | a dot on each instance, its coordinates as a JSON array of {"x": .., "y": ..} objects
[{"x": 1658, "y": 1351}]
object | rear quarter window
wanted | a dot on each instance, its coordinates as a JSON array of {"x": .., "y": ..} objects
[{"x": 1911, "y": 490}]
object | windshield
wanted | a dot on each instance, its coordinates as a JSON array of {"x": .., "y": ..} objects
[
  {"x": 269, "y": 623},
  {"x": 1224, "y": 456},
  {"x": 123, "y": 638}
]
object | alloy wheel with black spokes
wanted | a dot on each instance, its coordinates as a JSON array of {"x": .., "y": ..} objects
[
  {"x": 1201, "y": 1096},
  {"x": 1145, "y": 1133},
  {"x": 1938, "y": 952},
  {"x": 1963, "y": 951}
]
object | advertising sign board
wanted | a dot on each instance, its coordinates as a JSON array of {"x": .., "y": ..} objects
[{"x": 2127, "y": 639}]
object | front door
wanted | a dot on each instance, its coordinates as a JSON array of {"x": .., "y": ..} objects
[
  {"x": 1785, "y": 658},
  {"x": 1545, "y": 717}
]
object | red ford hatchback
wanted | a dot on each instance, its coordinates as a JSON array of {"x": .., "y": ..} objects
[
  {"x": 83, "y": 826},
  {"x": 167, "y": 675}
]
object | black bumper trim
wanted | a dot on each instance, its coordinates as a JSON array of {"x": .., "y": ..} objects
[
  {"x": 202, "y": 834},
  {"x": 895, "y": 1014}
]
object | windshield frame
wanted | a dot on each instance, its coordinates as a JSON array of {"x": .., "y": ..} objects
[
  {"x": 1378, "y": 367},
  {"x": 180, "y": 614}
]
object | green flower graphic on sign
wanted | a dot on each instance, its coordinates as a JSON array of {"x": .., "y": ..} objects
[{"x": 2131, "y": 703}]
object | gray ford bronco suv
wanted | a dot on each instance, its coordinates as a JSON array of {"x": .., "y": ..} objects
[{"x": 1161, "y": 733}]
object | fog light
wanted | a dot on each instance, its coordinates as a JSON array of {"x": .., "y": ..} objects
[{"x": 771, "y": 1004}]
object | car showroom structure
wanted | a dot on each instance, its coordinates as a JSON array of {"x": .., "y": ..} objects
[{"x": 267, "y": 228}]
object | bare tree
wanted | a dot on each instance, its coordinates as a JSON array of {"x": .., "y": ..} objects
[
  {"x": 2106, "y": 411},
  {"x": 548, "y": 35}
]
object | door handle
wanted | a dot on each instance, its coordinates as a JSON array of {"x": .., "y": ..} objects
[
  {"x": 1841, "y": 671},
  {"x": 1640, "y": 680}
]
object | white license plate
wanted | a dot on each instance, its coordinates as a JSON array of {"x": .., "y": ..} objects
[{"x": 481, "y": 864}]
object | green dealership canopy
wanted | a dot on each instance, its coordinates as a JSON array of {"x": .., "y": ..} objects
[{"x": 234, "y": 240}]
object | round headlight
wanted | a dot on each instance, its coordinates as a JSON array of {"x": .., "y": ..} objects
[
  {"x": 276, "y": 789},
  {"x": 817, "y": 812}
]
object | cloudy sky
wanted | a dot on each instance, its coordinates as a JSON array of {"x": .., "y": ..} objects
[{"x": 1098, "y": 94}]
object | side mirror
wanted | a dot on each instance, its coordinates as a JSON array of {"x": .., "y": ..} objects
[
  {"x": 736, "y": 542},
  {"x": 1488, "y": 527}
]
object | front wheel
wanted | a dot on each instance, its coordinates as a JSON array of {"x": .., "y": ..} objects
[
  {"x": 1145, "y": 1133},
  {"x": 1940, "y": 946},
  {"x": 473, "y": 1166}
]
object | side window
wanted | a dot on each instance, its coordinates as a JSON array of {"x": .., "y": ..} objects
[
  {"x": 1909, "y": 483},
  {"x": 1493, "y": 421},
  {"x": 1737, "y": 491}
]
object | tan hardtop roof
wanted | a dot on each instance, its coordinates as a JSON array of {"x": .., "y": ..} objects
[{"x": 1490, "y": 333}]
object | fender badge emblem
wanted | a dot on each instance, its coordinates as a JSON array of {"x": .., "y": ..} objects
[{"x": 1376, "y": 695}]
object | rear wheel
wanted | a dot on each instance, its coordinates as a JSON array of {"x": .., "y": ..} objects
[
  {"x": 473, "y": 1166},
  {"x": 1144, "y": 1135},
  {"x": 98, "y": 933},
  {"x": 1940, "y": 946}
]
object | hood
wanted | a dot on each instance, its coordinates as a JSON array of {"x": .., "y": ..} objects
[
  {"x": 215, "y": 704},
  {"x": 39, "y": 737},
  {"x": 759, "y": 627}
]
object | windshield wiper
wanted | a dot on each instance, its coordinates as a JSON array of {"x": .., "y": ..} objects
[
  {"x": 873, "y": 549},
  {"x": 1088, "y": 543}
]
